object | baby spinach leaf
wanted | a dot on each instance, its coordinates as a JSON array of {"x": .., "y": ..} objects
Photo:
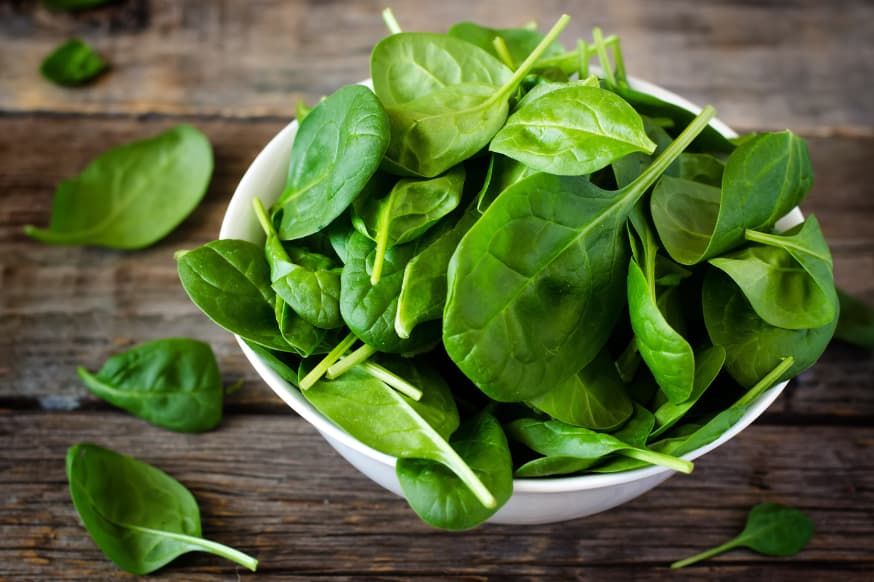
[
  {"x": 771, "y": 529},
  {"x": 139, "y": 516},
  {"x": 229, "y": 281},
  {"x": 572, "y": 131},
  {"x": 338, "y": 147},
  {"x": 423, "y": 290},
  {"x": 752, "y": 346},
  {"x": 535, "y": 286},
  {"x": 557, "y": 439},
  {"x": 787, "y": 278},
  {"x": 440, "y": 497},
  {"x": 303, "y": 338},
  {"x": 630, "y": 166},
  {"x": 72, "y": 63},
  {"x": 370, "y": 310},
  {"x": 856, "y": 322},
  {"x": 131, "y": 196},
  {"x": 637, "y": 429},
  {"x": 520, "y": 41},
  {"x": 408, "y": 211},
  {"x": 553, "y": 466},
  {"x": 173, "y": 383},
  {"x": 764, "y": 178},
  {"x": 389, "y": 422},
  {"x": 593, "y": 398},
  {"x": 444, "y": 125},
  {"x": 504, "y": 172}
]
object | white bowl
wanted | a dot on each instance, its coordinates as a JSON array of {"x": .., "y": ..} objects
[{"x": 534, "y": 500}]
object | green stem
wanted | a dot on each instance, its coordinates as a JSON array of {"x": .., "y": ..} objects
[
  {"x": 583, "y": 50},
  {"x": 261, "y": 215},
  {"x": 316, "y": 373},
  {"x": 357, "y": 357},
  {"x": 457, "y": 465},
  {"x": 204, "y": 545},
  {"x": 392, "y": 380},
  {"x": 619, "y": 61},
  {"x": 529, "y": 62},
  {"x": 379, "y": 256},
  {"x": 390, "y": 21},
  {"x": 675, "y": 463},
  {"x": 503, "y": 52},
  {"x": 769, "y": 380},
  {"x": 704, "y": 555},
  {"x": 601, "y": 48},
  {"x": 569, "y": 61}
]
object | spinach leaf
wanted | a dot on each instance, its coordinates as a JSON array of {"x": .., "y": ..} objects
[
  {"x": 370, "y": 310},
  {"x": 444, "y": 125},
  {"x": 229, "y": 281},
  {"x": 520, "y": 41},
  {"x": 72, "y": 63},
  {"x": 752, "y": 346},
  {"x": 572, "y": 131},
  {"x": 535, "y": 286},
  {"x": 139, "y": 516},
  {"x": 856, "y": 322},
  {"x": 131, "y": 196},
  {"x": 637, "y": 429},
  {"x": 557, "y": 439},
  {"x": 423, "y": 290},
  {"x": 593, "y": 398},
  {"x": 440, "y": 497},
  {"x": 552, "y": 466},
  {"x": 283, "y": 363},
  {"x": 771, "y": 529},
  {"x": 408, "y": 211},
  {"x": 787, "y": 278},
  {"x": 503, "y": 173},
  {"x": 338, "y": 147},
  {"x": 764, "y": 178},
  {"x": 173, "y": 383},
  {"x": 303, "y": 338},
  {"x": 391, "y": 423}
]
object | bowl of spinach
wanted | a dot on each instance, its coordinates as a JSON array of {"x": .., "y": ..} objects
[{"x": 513, "y": 288}]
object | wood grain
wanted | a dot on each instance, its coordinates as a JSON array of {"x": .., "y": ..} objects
[
  {"x": 803, "y": 64},
  {"x": 270, "y": 486}
]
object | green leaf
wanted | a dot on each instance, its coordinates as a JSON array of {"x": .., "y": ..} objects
[
  {"x": 856, "y": 322},
  {"x": 504, "y": 173},
  {"x": 140, "y": 517},
  {"x": 536, "y": 285},
  {"x": 572, "y": 131},
  {"x": 787, "y": 278},
  {"x": 338, "y": 147},
  {"x": 229, "y": 281},
  {"x": 440, "y": 497},
  {"x": 304, "y": 338},
  {"x": 173, "y": 383},
  {"x": 764, "y": 178},
  {"x": 771, "y": 529},
  {"x": 72, "y": 63},
  {"x": 131, "y": 196}
]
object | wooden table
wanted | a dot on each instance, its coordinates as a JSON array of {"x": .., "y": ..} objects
[{"x": 266, "y": 482}]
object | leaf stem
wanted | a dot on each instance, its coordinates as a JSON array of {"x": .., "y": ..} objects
[
  {"x": 390, "y": 21},
  {"x": 619, "y": 61},
  {"x": 503, "y": 52},
  {"x": 209, "y": 546},
  {"x": 601, "y": 49},
  {"x": 531, "y": 60},
  {"x": 261, "y": 215},
  {"x": 357, "y": 357},
  {"x": 316, "y": 373},
  {"x": 583, "y": 50},
  {"x": 675, "y": 463},
  {"x": 392, "y": 379},
  {"x": 769, "y": 380},
  {"x": 379, "y": 255},
  {"x": 704, "y": 555}
]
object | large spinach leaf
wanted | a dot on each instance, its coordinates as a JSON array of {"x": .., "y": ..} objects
[
  {"x": 139, "y": 516},
  {"x": 133, "y": 195},
  {"x": 173, "y": 383},
  {"x": 338, "y": 147}
]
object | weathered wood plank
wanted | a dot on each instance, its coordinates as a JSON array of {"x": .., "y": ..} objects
[
  {"x": 61, "y": 307},
  {"x": 802, "y": 64},
  {"x": 272, "y": 487}
]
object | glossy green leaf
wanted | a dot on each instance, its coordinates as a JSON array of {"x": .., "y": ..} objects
[
  {"x": 173, "y": 383},
  {"x": 771, "y": 529},
  {"x": 440, "y": 497},
  {"x": 594, "y": 398},
  {"x": 504, "y": 173},
  {"x": 787, "y": 278},
  {"x": 304, "y": 338},
  {"x": 229, "y": 281},
  {"x": 764, "y": 178},
  {"x": 553, "y": 466},
  {"x": 752, "y": 346},
  {"x": 536, "y": 285},
  {"x": 856, "y": 321},
  {"x": 133, "y": 195},
  {"x": 139, "y": 516},
  {"x": 572, "y": 131},
  {"x": 72, "y": 63},
  {"x": 637, "y": 429},
  {"x": 338, "y": 147}
]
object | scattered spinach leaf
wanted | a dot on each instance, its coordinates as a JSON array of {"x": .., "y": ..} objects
[{"x": 72, "y": 63}]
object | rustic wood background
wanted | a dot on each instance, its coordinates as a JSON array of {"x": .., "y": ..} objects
[{"x": 266, "y": 482}]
